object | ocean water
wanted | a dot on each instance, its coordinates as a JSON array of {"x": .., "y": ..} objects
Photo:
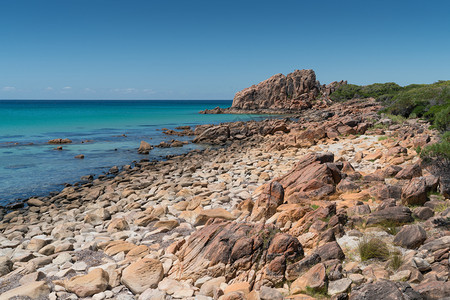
[{"x": 30, "y": 167}]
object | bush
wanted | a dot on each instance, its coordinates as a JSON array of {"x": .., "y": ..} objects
[
  {"x": 373, "y": 248},
  {"x": 396, "y": 260}
]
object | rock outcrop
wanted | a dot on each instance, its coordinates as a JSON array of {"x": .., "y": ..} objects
[{"x": 294, "y": 91}]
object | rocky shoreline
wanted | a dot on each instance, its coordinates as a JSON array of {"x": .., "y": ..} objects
[{"x": 274, "y": 209}]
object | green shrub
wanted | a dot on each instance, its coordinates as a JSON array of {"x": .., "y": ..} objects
[
  {"x": 396, "y": 260},
  {"x": 373, "y": 248}
]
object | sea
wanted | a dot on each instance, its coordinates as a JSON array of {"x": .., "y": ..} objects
[{"x": 106, "y": 132}]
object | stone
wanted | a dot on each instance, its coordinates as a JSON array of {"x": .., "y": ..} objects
[
  {"x": 294, "y": 270},
  {"x": 33, "y": 290},
  {"x": 314, "y": 176},
  {"x": 410, "y": 236},
  {"x": 144, "y": 148},
  {"x": 330, "y": 250},
  {"x": 396, "y": 214},
  {"x": 115, "y": 247},
  {"x": 315, "y": 279},
  {"x": 213, "y": 213},
  {"x": 415, "y": 192},
  {"x": 36, "y": 244},
  {"x": 35, "y": 202},
  {"x": 434, "y": 290},
  {"x": 209, "y": 286},
  {"x": 384, "y": 289},
  {"x": 220, "y": 132},
  {"x": 400, "y": 275},
  {"x": 60, "y": 141},
  {"x": 409, "y": 172},
  {"x": 423, "y": 213},
  {"x": 243, "y": 287},
  {"x": 87, "y": 285},
  {"x": 266, "y": 205},
  {"x": 143, "y": 274},
  {"x": 152, "y": 294},
  {"x": 118, "y": 224},
  {"x": 166, "y": 225},
  {"x": 339, "y": 286},
  {"x": 267, "y": 293},
  {"x": 5, "y": 265}
]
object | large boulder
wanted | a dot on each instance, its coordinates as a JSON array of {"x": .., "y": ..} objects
[
  {"x": 384, "y": 289},
  {"x": 315, "y": 279},
  {"x": 32, "y": 290},
  {"x": 314, "y": 176},
  {"x": 237, "y": 251},
  {"x": 215, "y": 134},
  {"x": 266, "y": 205},
  {"x": 144, "y": 148},
  {"x": 87, "y": 285},
  {"x": 394, "y": 214},
  {"x": 410, "y": 236},
  {"x": 143, "y": 274},
  {"x": 294, "y": 91},
  {"x": 415, "y": 192}
]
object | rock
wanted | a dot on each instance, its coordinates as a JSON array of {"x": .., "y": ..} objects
[
  {"x": 267, "y": 293},
  {"x": 33, "y": 290},
  {"x": 243, "y": 287},
  {"x": 330, "y": 250},
  {"x": 5, "y": 265},
  {"x": 79, "y": 156},
  {"x": 410, "y": 236},
  {"x": 315, "y": 279},
  {"x": 36, "y": 244},
  {"x": 118, "y": 224},
  {"x": 166, "y": 225},
  {"x": 216, "y": 133},
  {"x": 32, "y": 277},
  {"x": 409, "y": 172},
  {"x": 223, "y": 248},
  {"x": 384, "y": 289},
  {"x": 423, "y": 213},
  {"x": 35, "y": 202},
  {"x": 152, "y": 294},
  {"x": 396, "y": 214},
  {"x": 143, "y": 274},
  {"x": 294, "y": 270},
  {"x": 87, "y": 285},
  {"x": 434, "y": 290},
  {"x": 60, "y": 141},
  {"x": 339, "y": 286},
  {"x": 314, "y": 176},
  {"x": 144, "y": 148},
  {"x": 415, "y": 192},
  {"x": 213, "y": 213},
  {"x": 294, "y": 91},
  {"x": 266, "y": 205},
  {"x": 210, "y": 286}
]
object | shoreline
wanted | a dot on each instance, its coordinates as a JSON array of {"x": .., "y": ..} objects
[{"x": 301, "y": 184}]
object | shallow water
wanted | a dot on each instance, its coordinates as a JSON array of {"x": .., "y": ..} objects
[{"x": 30, "y": 167}]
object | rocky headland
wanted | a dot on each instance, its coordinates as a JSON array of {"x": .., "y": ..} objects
[
  {"x": 334, "y": 203},
  {"x": 281, "y": 94}
]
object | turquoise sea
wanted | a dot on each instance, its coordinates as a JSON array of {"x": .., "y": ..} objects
[{"x": 30, "y": 167}]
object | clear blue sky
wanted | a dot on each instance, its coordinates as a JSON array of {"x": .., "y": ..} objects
[{"x": 109, "y": 49}]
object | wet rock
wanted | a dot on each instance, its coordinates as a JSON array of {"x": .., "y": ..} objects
[
  {"x": 144, "y": 148},
  {"x": 60, "y": 141},
  {"x": 79, "y": 156},
  {"x": 410, "y": 236}
]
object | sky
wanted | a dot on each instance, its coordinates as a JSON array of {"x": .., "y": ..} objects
[{"x": 129, "y": 49}]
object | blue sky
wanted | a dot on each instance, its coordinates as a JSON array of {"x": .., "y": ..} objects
[{"x": 109, "y": 49}]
